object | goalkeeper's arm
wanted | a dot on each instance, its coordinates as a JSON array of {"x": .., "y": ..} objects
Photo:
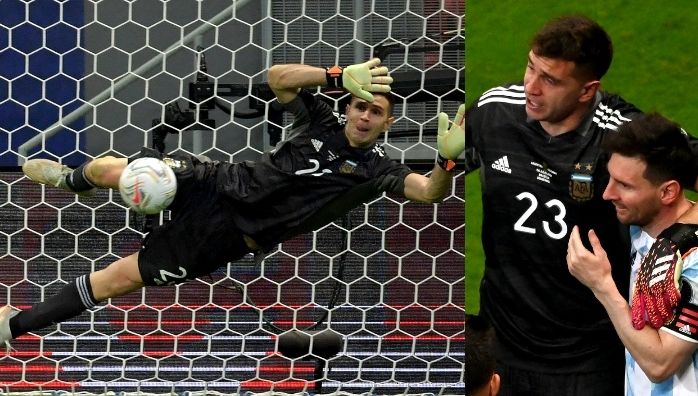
[
  {"x": 450, "y": 143},
  {"x": 360, "y": 80}
]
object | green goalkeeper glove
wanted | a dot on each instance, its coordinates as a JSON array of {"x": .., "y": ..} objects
[
  {"x": 361, "y": 79},
  {"x": 451, "y": 142}
]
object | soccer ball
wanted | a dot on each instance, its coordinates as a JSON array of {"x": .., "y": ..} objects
[{"x": 147, "y": 185}]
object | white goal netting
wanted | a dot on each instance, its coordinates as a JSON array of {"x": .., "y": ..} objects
[{"x": 381, "y": 290}]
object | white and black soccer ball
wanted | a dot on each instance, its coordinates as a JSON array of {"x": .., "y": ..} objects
[{"x": 147, "y": 185}]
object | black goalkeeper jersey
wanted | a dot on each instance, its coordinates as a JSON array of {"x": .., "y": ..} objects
[
  {"x": 535, "y": 188},
  {"x": 310, "y": 179}
]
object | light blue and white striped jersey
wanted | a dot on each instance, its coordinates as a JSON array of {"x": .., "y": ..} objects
[{"x": 684, "y": 382}]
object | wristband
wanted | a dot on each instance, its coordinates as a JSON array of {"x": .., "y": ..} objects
[
  {"x": 334, "y": 77},
  {"x": 445, "y": 164}
]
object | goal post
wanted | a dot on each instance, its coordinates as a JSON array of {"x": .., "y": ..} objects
[{"x": 371, "y": 303}]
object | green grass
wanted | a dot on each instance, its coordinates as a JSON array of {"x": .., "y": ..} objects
[{"x": 655, "y": 66}]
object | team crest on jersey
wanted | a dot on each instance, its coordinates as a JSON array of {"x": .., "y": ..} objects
[
  {"x": 174, "y": 163},
  {"x": 347, "y": 167},
  {"x": 581, "y": 187}
]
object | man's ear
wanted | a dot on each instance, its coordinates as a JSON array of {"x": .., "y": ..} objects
[
  {"x": 589, "y": 91},
  {"x": 670, "y": 191},
  {"x": 495, "y": 382},
  {"x": 389, "y": 123}
]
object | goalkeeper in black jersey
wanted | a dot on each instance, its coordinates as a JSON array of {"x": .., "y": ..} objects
[
  {"x": 537, "y": 145},
  {"x": 329, "y": 164}
]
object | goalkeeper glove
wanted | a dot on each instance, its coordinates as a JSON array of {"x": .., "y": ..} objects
[
  {"x": 361, "y": 79},
  {"x": 450, "y": 142},
  {"x": 657, "y": 288}
]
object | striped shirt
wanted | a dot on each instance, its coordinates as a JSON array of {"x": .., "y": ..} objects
[{"x": 685, "y": 381}]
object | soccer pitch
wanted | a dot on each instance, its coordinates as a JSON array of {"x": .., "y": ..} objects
[{"x": 653, "y": 67}]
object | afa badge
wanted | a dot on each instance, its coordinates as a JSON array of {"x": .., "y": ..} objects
[
  {"x": 347, "y": 167},
  {"x": 581, "y": 187},
  {"x": 175, "y": 164}
]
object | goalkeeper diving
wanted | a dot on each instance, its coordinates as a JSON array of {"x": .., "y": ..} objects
[{"x": 328, "y": 164}]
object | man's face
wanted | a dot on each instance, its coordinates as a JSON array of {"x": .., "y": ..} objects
[
  {"x": 366, "y": 121},
  {"x": 552, "y": 91},
  {"x": 636, "y": 199}
]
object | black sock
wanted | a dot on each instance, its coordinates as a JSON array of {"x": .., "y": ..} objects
[
  {"x": 77, "y": 181},
  {"x": 73, "y": 299}
]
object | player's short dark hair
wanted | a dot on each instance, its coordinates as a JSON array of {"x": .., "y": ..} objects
[
  {"x": 578, "y": 39},
  {"x": 391, "y": 100},
  {"x": 387, "y": 95},
  {"x": 661, "y": 144},
  {"x": 479, "y": 353}
]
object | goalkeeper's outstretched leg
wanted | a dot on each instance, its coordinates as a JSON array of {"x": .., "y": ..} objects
[
  {"x": 103, "y": 172},
  {"x": 87, "y": 291}
]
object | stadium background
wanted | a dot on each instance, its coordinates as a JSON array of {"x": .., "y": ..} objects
[
  {"x": 395, "y": 267},
  {"x": 654, "y": 67}
]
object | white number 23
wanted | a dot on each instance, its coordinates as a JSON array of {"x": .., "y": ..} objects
[{"x": 533, "y": 205}]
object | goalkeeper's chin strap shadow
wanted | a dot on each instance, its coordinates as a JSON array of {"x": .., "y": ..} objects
[{"x": 336, "y": 290}]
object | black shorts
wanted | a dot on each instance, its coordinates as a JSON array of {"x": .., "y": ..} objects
[
  {"x": 522, "y": 382},
  {"x": 200, "y": 237}
]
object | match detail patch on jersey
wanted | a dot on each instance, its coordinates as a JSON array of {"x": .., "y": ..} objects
[
  {"x": 502, "y": 165},
  {"x": 543, "y": 173}
]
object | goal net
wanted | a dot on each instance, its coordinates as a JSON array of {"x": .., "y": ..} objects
[{"x": 372, "y": 303}]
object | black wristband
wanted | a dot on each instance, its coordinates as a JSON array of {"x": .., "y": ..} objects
[
  {"x": 445, "y": 164},
  {"x": 334, "y": 77}
]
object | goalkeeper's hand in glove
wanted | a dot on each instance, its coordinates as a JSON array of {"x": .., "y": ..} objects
[
  {"x": 657, "y": 288},
  {"x": 361, "y": 79},
  {"x": 450, "y": 142}
]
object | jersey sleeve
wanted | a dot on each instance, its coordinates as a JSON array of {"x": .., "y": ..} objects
[
  {"x": 389, "y": 175},
  {"x": 308, "y": 109},
  {"x": 685, "y": 322},
  {"x": 472, "y": 159}
]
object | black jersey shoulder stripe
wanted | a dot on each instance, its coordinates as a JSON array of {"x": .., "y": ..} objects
[
  {"x": 608, "y": 118},
  {"x": 501, "y": 100},
  {"x": 513, "y": 94},
  {"x": 503, "y": 92},
  {"x": 513, "y": 88}
]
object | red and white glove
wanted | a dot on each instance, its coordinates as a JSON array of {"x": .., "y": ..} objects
[{"x": 658, "y": 287}]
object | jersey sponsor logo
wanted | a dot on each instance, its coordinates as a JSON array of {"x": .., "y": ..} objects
[
  {"x": 502, "y": 165},
  {"x": 686, "y": 329},
  {"x": 317, "y": 144}
]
